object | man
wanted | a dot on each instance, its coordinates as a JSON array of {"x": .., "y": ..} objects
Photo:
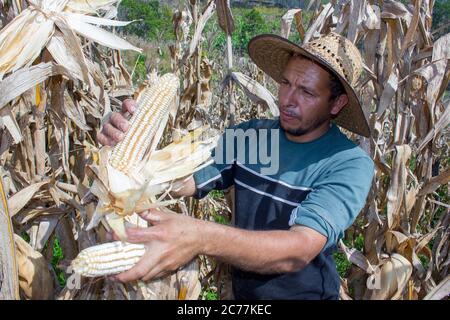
[{"x": 287, "y": 223}]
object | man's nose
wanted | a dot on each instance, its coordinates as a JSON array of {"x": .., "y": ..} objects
[{"x": 287, "y": 97}]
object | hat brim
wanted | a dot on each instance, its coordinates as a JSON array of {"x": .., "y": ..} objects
[{"x": 271, "y": 54}]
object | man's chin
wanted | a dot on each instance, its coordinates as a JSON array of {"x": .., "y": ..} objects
[{"x": 295, "y": 131}]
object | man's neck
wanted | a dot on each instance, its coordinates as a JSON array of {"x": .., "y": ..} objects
[{"x": 310, "y": 136}]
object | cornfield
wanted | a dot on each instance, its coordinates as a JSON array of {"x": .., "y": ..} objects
[{"x": 62, "y": 74}]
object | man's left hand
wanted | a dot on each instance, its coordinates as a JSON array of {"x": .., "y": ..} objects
[{"x": 171, "y": 242}]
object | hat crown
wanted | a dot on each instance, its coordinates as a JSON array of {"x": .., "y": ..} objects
[{"x": 340, "y": 53}]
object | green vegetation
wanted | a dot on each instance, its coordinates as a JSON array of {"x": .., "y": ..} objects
[
  {"x": 441, "y": 16},
  {"x": 209, "y": 294},
  {"x": 140, "y": 71},
  {"x": 252, "y": 22},
  {"x": 342, "y": 264},
  {"x": 217, "y": 194},
  {"x": 25, "y": 236},
  {"x": 154, "y": 19},
  {"x": 56, "y": 258},
  {"x": 154, "y": 32}
]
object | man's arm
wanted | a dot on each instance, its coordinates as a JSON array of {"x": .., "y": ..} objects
[
  {"x": 175, "y": 239},
  {"x": 187, "y": 190},
  {"x": 269, "y": 252}
]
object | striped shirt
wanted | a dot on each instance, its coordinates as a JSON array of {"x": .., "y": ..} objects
[{"x": 322, "y": 184}]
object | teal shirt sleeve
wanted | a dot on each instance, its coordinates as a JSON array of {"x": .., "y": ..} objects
[
  {"x": 220, "y": 174},
  {"x": 336, "y": 199}
]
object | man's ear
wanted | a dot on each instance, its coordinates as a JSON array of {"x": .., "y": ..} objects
[{"x": 338, "y": 104}]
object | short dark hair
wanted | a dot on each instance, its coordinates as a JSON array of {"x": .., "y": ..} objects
[{"x": 336, "y": 87}]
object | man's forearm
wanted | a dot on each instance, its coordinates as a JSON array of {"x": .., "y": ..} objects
[
  {"x": 259, "y": 251},
  {"x": 187, "y": 190}
]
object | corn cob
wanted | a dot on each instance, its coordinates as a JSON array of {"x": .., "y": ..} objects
[
  {"x": 107, "y": 259},
  {"x": 153, "y": 106}
]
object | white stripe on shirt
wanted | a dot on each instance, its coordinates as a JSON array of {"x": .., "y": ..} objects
[
  {"x": 295, "y": 204},
  {"x": 272, "y": 179},
  {"x": 201, "y": 185}
]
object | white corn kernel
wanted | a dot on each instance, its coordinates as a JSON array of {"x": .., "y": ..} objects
[
  {"x": 107, "y": 259},
  {"x": 153, "y": 105}
]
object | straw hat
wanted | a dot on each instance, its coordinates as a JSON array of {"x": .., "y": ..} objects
[{"x": 333, "y": 51}]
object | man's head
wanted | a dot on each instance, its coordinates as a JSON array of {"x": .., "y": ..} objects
[
  {"x": 330, "y": 56},
  {"x": 309, "y": 97}
]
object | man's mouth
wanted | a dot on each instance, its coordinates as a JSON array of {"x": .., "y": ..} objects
[{"x": 287, "y": 115}]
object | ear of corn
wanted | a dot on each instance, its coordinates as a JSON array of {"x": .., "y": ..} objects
[
  {"x": 107, "y": 259},
  {"x": 153, "y": 108}
]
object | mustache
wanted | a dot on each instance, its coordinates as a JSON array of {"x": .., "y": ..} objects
[{"x": 290, "y": 111}]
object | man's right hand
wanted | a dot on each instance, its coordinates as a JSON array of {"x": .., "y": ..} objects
[{"x": 114, "y": 129}]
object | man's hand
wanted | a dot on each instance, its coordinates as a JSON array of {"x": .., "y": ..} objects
[
  {"x": 171, "y": 242},
  {"x": 175, "y": 239},
  {"x": 114, "y": 129}
]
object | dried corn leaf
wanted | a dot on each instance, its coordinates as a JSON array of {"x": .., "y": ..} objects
[
  {"x": 225, "y": 16},
  {"x": 398, "y": 183},
  {"x": 299, "y": 25},
  {"x": 357, "y": 258},
  {"x": 441, "y": 291},
  {"x": 207, "y": 14},
  {"x": 441, "y": 54},
  {"x": 395, "y": 9},
  {"x": 21, "y": 48},
  {"x": 9, "y": 279},
  {"x": 393, "y": 277},
  {"x": 91, "y": 6},
  {"x": 36, "y": 281},
  {"x": 357, "y": 14},
  {"x": 97, "y": 20},
  {"x": 394, "y": 239},
  {"x": 388, "y": 93},
  {"x": 286, "y": 21},
  {"x": 26, "y": 79},
  {"x": 412, "y": 28},
  {"x": 372, "y": 17},
  {"x": 435, "y": 182},
  {"x": 318, "y": 23},
  {"x": 99, "y": 35},
  {"x": 8, "y": 121},
  {"x": 21, "y": 198},
  {"x": 66, "y": 50},
  {"x": 403, "y": 271},
  {"x": 74, "y": 112},
  {"x": 256, "y": 92}
]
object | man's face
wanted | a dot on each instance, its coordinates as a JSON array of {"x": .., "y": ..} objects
[{"x": 304, "y": 97}]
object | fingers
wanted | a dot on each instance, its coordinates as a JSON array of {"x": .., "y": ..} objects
[
  {"x": 137, "y": 272},
  {"x": 153, "y": 216},
  {"x": 141, "y": 235},
  {"x": 114, "y": 130},
  {"x": 155, "y": 273},
  {"x": 119, "y": 122},
  {"x": 129, "y": 105},
  {"x": 110, "y": 135}
]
